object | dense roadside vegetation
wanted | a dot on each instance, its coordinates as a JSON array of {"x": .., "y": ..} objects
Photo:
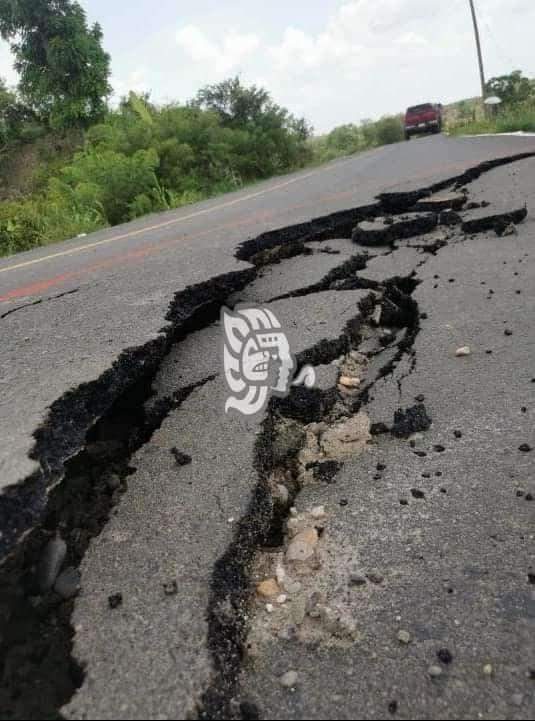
[
  {"x": 70, "y": 163},
  {"x": 517, "y": 111}
]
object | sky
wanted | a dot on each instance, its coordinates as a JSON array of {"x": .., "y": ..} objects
[{"x": 332, "y": 61}]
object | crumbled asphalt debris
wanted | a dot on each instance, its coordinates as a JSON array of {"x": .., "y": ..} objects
[
  {"x": 115, "y": 601},
  {"x": 417, "y": 493},
  {"x": 378, "y": 429},
  {"x": 458, "y": 434},
  {"x": 444, "y": 656},
  {"x": 438, "y": 448},
  {"x": 525, "y": 448},
  {"x": 170, "y": 588},
  {"x": 182, "y": 459},
  {"x": 375, "y": 576},
  {"x": 326, "y": 471},
  {"x": 411, "y": 420},
  {"x": 393, "y": 708}
]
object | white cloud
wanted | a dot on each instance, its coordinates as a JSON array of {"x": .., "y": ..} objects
[
  {"x": 221, "y": 57},
  {"x": 6, "y": 64}
]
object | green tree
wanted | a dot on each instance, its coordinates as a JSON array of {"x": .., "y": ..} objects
[
  {"x": 512, "y": 89},
  {"x": 236, "y": 104},
  {"x": 64, "y": 71},
  {"x": 14, "y": 117}
]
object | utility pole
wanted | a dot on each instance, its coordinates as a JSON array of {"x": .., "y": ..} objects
[{"x": 479, "y": 53}]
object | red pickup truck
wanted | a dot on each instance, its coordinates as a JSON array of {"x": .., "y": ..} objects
[{"x": 426, "y": 118}]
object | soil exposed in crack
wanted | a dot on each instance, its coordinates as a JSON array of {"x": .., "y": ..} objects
[
  {"x": 35, "y": 629},
  {"x": 263, "y": 527}
]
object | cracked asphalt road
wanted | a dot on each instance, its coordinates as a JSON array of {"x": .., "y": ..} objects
[{"x": 447, "y": 559}]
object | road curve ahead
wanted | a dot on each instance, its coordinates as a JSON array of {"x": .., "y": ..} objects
[{"x": 110, "y": 390}]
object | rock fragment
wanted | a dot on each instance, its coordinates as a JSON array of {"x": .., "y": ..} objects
[
  {"x": 68, "y": 583},
  {"x": 50, "y": 563},
  {"x": 302, "y": 547},
  {"x": 289, "y": 679},
  {"x": 268, "y": 588},
  {"x": 464, "y": 351}
]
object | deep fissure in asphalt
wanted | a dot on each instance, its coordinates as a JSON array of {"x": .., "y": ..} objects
[
  {"x": 263, "y": 527},
  {"x": 35, "y": 630}
]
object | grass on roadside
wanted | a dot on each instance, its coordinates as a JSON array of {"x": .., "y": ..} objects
[{"x": 508, "y": 120}]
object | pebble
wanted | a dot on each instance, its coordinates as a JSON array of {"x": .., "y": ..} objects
[
  {"x": 289, "y": 633},
  {"x": 291, "y": 586},
  {"x": 68, "y": 583},
  {"x": 268, "y": 588},
  {"x": 170, "y": 588},
  {"x": 314, "y": 604},
  {"x": 50, "y": 563},
  {"x": 318, "y": 512},
  {"x": 444, "y": 656},
  {"x": 298, "y": 611},
  {"x": 464, "y": 351},
  {"x": 115, "y": 601},
  {"x": 434, "y": 671},
  {"x": 282, "y": 599},
  {"x": 404, "y": 637},
  {"x": 375, "y": 576},
  {"x": 289, "y": 679},
  {"x": 280, "y": 573},
  {"x": 349, "y": 382},
  {"x": 357, "y": 579},
  {"x": 282, "y": 494},
  {"x": 488, "y": 670},
  {"x": 270, "y": 607},
  {"x": 302, "y": 546}
]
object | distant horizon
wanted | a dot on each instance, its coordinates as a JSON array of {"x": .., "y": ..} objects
[{"x": 332, "y": 62}]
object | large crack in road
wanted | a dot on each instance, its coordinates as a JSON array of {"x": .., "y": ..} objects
[{"x": 117, "y": 417}]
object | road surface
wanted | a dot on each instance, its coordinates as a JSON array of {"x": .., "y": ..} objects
[{"x": 162, "y": 502}]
